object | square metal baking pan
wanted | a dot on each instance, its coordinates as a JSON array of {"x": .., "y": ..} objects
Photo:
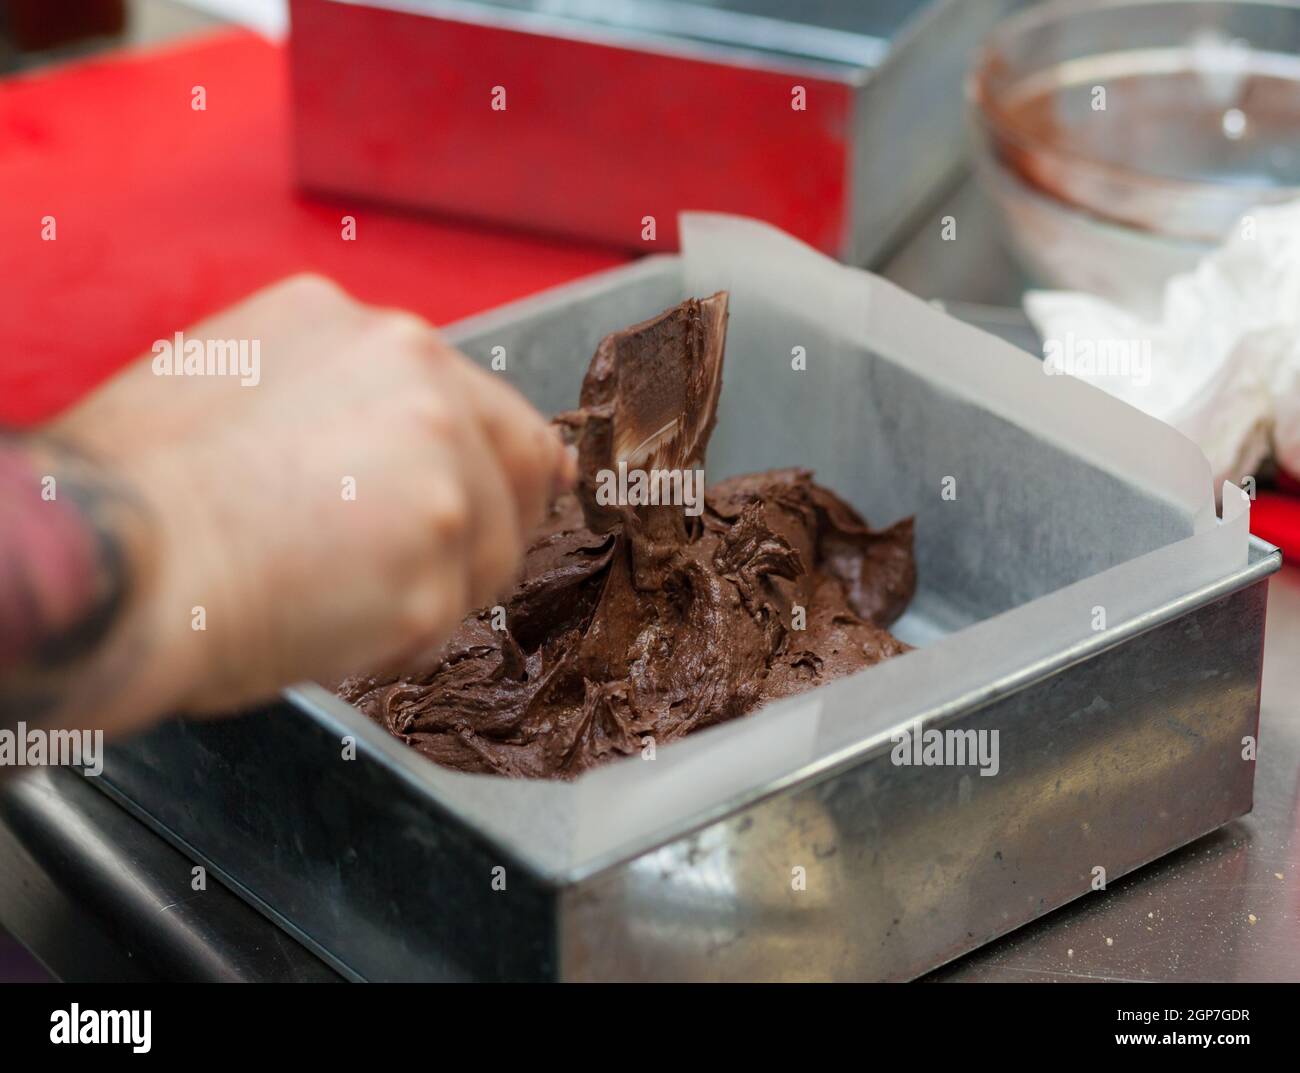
[
  {"x": 1116, "y": 747},
  {"x": 618, "y": 110}
]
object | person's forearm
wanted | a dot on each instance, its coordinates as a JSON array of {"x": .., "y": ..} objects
[
  {"x": 185, "y": 541},
  {"x": 75, "y": 548}
]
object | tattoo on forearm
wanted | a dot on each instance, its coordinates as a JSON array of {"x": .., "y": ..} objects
[{"x": 67, "y": 536}]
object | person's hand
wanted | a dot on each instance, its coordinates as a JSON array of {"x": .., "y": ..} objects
[{"x": 340, "y": 515}]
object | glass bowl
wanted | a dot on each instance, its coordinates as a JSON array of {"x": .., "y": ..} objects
[{"x": 1123, "y": 138}]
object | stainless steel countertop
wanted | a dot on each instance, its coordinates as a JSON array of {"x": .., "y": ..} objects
[{"x": 98, "y": 897}]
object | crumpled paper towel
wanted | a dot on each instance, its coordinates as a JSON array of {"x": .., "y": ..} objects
[{"x": 1222, "y": 364}]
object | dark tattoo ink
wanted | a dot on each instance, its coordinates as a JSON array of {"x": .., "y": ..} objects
[{"x": 67, "y": 531}]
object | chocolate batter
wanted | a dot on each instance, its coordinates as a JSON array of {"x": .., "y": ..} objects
[{"x": 636, "y": 622}]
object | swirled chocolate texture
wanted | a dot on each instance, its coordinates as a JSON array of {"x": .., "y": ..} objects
[{"x": 632, "y": 623}]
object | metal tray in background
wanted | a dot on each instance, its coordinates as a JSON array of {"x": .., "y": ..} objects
[
  {"x": 1116, "y": 750},
  {"x": 622, "y": 109}
]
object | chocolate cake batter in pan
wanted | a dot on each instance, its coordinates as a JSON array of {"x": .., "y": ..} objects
[{"x": 638, "y": 623}]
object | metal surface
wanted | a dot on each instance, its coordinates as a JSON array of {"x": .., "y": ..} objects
[
  {"x": 379, "y": 866},
  {"x": 99, "y": 897},
  {"x": 603, "y": 126}
]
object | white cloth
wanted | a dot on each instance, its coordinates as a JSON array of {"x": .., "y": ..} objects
[{"x": 1222, "y": 364}]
